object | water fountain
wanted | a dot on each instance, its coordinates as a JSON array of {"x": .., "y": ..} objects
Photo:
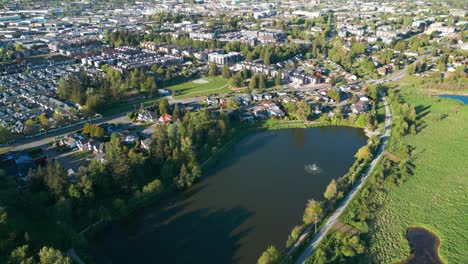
[{"x": 312, "y": 168}]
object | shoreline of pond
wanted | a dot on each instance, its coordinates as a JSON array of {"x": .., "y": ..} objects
[
  {"x": 212, "y": 162},
  {"x": 425, "y": 246}
]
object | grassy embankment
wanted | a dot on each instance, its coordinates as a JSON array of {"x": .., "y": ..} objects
[
  {"x": 434, "y": 196},
  {"x": 192, "y": 88}
]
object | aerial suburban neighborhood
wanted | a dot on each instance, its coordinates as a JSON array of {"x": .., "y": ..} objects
[{"x": 123, "y": 123}]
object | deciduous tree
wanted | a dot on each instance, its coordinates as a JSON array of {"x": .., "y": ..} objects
[
  {"x": 270, "y": 256},
  {"x": 331, "y": 190},
  {"x": 313, "y": 213},
  {"x": 364, "y": 153},
  {"x": 303, "y": 110},
  {"x": 49, "y": 255}
]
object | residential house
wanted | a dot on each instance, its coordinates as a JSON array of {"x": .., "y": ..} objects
[
  {"x": 147, "y": 116},
  {"x": 166, "y": 118},
  {"x": 71, "y": 142},
  {"x": 382, "y": 71},
  {"x": 360, "y": 107}
]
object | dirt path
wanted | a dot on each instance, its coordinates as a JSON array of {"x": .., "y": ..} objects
[{"x": 334, "y": 217}]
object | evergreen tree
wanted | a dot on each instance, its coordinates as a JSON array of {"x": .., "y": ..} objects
[
  {"x": 117, "y": 163},
  {"x": 168, "y": 75},
  {"x": 261, "y": 81},
  {"x": 182, "y": 180},
  {"x": 236, "y": 80},
  {"x": 253, "y": 82},
  {"x": 55, "y": 179},
  {"x": 5, "y": 135},
  {"x": 249, "y": 57},
  {"x": 176, "y": 113},
  {"x": 213, "y": 69},
  {"x": 267, "y": 58},
  {"x": 226, "y": 73},
  {"x": 278, "y": 78},
  {"x": 245, "y": 73},
  {"x": 164, "y": 106}
]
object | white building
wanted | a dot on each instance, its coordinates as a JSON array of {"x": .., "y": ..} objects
[{"x": 221, "y": 59}]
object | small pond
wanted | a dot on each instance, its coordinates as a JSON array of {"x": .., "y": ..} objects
[
  {"x": 462, "y": 98},
  {"x": 424, "y": 246}
]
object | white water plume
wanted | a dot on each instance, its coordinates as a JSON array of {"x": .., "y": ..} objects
[{"x": 312, "y": 168}]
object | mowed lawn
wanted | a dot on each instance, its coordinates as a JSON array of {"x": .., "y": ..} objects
[
  {"x": 204, "y": 86},
  {"x": 436, "y": 196}
]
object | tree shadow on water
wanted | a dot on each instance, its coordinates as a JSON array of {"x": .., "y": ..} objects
[
  {"x": 245, "y": 146},
  {"x": 199, "y": 236}
]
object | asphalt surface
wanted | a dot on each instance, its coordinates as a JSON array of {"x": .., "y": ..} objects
[
  {"x": 334, "y": 217},
  {"x": 388, "y": 125},
  {"x": 43, "y": 140}
]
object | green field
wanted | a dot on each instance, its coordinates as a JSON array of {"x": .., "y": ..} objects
[
  {"x": 198, "y": 87},
  {"x": 436, "y": 195},
  {"x": 124, "y": 107},
  {"x": 213, "y": 85}
]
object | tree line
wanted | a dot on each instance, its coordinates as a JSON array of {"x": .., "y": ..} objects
[
  {"x": 127, "y": 179},
  {"x": 96, "y": 92}
]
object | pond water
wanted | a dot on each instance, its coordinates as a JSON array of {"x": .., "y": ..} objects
[
  {"x": 424, "y": 247},
  {"x": 462, "y": 98},
  {"x": 252, "y": 199}
]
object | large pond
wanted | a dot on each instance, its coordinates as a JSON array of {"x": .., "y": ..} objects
[
  {"x": 251, "y": 200},
  {"x": 462, "y": 98}
]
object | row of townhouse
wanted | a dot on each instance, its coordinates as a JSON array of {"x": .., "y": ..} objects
[
  {"x": 121, "y": 59},
  {"x": 28, "y": 95},
  {"x": 292, "y": 76}
]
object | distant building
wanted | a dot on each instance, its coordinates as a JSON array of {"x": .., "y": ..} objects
[{"x": 230, "y": 58}]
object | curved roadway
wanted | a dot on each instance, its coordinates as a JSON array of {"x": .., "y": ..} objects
[{"x": 328, "y": 225}]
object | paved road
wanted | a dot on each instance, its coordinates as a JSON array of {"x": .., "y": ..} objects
[
  {"x": 398, "y": 74},
  {"x": 41, "y": 141},
  {"x": 322, "y": 233},
  {"x": 388, "y": 125}
]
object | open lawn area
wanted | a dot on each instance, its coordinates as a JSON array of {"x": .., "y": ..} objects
[
  {"x": 199, "y": 87},
  {"x": 435, "y": 196},
  {"x": 204, "y": 86},
  {"x": 125, "y": 107}
]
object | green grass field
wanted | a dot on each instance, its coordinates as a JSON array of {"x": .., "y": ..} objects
[
  {"x": 125, "y": 107},
  {"x": 198, "y": 87},
  {"x": 436, "y": 195},
  {"x": 191, "y": 88}
]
